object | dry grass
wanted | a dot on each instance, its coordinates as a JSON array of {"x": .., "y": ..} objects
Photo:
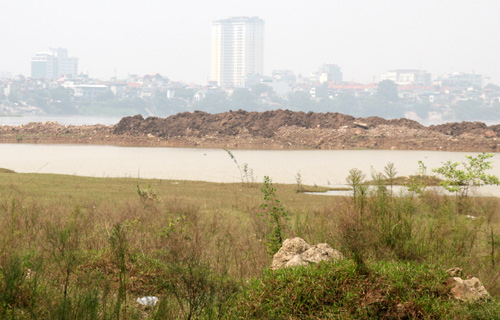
[{"x": 59, "y": 228}]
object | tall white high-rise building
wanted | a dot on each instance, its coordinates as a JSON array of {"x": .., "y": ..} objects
[
  {"x": 237, "y": 50},
  {"x": 53, "y": 64}
]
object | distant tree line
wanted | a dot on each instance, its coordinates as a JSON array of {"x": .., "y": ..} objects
[{"x": 384, "y": 103}]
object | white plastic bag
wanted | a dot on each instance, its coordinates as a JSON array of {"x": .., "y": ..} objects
[{"x": 147, "y": 301}]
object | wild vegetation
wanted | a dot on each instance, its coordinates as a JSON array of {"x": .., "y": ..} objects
[{"x": 87, "y": 248}]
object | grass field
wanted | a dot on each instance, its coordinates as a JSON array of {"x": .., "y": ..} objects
[{"x": 87, "y": 248}]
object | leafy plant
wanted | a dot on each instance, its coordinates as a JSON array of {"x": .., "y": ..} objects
[
  {"x": 418, "y": 184},
  {"x": 356, "y": 180},
  {"x": 147, "y": 195},
  {"x": 277, "y": 216},
  {"x": 298, "y": 180},
  {"x": 460, "y": 181},
  {"x": 390, "y": 173},
  {"x": 248, "y": 174}
]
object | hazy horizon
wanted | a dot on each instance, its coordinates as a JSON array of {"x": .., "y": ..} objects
[{"x": 365, "y": 38}]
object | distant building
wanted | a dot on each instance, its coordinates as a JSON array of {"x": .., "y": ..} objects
[
  {"x": 53, "y": 64},
  {"x": 237, "y": 50},
  {"x": 328, "y": 73},
  {"x": 461, "y": 80},
  {"x": 408, "y": 76},
  {"x": 89, "y": 91},
  {"x": 287, "y": 76}
]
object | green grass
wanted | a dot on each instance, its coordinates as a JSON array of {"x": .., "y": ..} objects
[
  {"x": 200, "y": 247},
  {"x": 3, "y": 170},
  {"x": 405, "y": 181},
  {"x": 307, "y": 188},
  {"x": 336, "y": 290}
]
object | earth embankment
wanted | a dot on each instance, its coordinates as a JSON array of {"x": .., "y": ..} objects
[{"x": 279, "y": 129}]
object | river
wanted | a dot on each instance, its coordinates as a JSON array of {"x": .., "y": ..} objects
[{"x": 320, "y": 167}]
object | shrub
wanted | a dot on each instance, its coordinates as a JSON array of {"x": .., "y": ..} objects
[{"x": 276, "y": 215}]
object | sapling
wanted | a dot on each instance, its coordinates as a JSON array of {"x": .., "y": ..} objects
[
  {"x": 356, "y": 180},
  {"x": 277, "y": 216},
  {"x": 461, "y": 181},
  {"x": 390, "y": 173},
  {"x": 298, "y": 179}
]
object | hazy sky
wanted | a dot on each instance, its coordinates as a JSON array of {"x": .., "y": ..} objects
[{"x": 364, "y": 37}]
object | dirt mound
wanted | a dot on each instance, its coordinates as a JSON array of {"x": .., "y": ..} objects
[
  {"x": 259, "y": 124},
  {"x": 377, "y": 121},
  {"x": 459, "y": 128},
  {"x": 279, "y": 129}
]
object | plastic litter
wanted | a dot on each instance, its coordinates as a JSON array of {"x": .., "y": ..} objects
[{"x": 148, "y": 301}]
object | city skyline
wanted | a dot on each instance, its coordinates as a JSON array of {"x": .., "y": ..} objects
[{"x": 365, "y": 38}]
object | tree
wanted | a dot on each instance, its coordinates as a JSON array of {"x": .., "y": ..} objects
[
  {"x": 388, "y": 91},
  {"x": 300, "y": 101},
  {"x": 422, "y": 110},
  {"x": 460, "y": 181},
  {"x": 261, "y": 88},
  {"x": 14, "y": 97},
  {"x": 243, "y": 98},
  {"x": 213, "y": 102},
  {"x": 185, "y": 93}
]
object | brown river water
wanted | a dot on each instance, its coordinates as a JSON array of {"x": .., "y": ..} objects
[{"x": 320, "y": 167}]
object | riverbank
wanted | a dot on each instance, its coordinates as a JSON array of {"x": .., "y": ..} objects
[
  {"x": 274, "y": 130},
  {"x": 86, "y": 245}
]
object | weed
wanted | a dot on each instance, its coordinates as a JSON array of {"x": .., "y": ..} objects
[
  {"x": 147, "y": 195},
  {"x": 276, "y": 215},
  {"x": 197, "y": 288},
  {"x": 50, "y": 224},
  {"x": 298, "y": 180},
  {"x": 356, "y": 180},
  {"x": 237, "y": 164},
  {"x": 119, "y": 248},
  {"x": 390, "y": 173},
  {"x": 248, "y": 175},
  {"x": 417, "y": 184},
  {"x": 64, "y": 247}
]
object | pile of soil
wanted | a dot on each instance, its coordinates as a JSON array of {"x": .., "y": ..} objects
[{"x": 279, "y": 129}]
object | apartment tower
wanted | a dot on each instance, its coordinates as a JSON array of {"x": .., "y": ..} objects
[
  {"x": 237, "y": 50},
  {"x": 53, "y": 64}
]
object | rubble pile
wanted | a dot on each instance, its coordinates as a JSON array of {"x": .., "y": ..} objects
[{"x": 279, "y": 129}]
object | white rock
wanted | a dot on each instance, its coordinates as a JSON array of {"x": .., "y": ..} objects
[
  {"x": 296, "y": 261},
  {"x": 468, "y": 290},
  {"x": 296, "y": 252}
]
